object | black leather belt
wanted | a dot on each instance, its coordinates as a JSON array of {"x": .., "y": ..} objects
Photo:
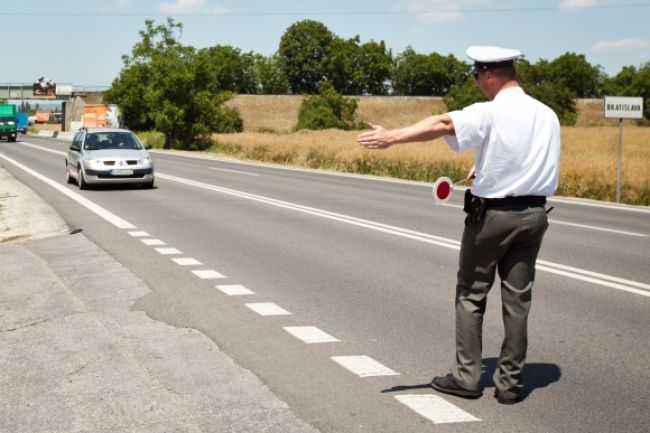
[{"x": 521, "y": 201}]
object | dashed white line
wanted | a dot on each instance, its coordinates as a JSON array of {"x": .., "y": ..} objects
[
  {"x": 186, "y": 261},
  {"x": 168, "y": 251},
  {"x": 435, "y": 408},
  {"x": 310, "y": 334},
  {"x": 268, "y": 309},
  {"x": 208, "y": 274},
  {"x": 152, "y": 242},
  {"x": 235, "y": 290},
  {"x": 139, "y": 234},
  {"x": 364, "y": 366}
]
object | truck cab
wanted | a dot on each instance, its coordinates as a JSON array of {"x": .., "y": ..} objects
[{"x": 8, "y": 128}]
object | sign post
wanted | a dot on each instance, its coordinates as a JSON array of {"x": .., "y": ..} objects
[{"x": 620, "y": 107}]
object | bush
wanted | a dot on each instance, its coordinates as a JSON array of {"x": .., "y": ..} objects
[{"x": 327, "y": 110}]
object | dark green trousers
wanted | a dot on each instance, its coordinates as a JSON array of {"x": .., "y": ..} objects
[{"x": 507, "y": 241}]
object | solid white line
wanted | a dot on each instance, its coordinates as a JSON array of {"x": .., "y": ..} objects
[
  {"x": 234, "y": 171},
  {"x": 168, "y": 251},
  {"x": 186, "y": 261},
  {"x": 139, "y": 234},
  {"x": 435, "y": 408},
  {"x": 310, "y": 334},
  {"x": 594, "y": 280},
  {"x": 575, "y": 273},
  {"x": 98, "y": 210},
  {"x": 152, "y": 242},
  {"x": 364, "y": 366},
  {"x": 595, "y": 275},
  {"x": 208, "y": 274},
  {"x": 268, "y": 309},
  {"x": 235, "y": 290},
  {"x": 602, "y": 229}
]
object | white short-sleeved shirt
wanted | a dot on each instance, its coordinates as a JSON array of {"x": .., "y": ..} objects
[{"x": 516, "y": 142}]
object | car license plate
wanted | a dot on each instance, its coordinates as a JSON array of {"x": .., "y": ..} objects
[{"x": 121, "y": 172}]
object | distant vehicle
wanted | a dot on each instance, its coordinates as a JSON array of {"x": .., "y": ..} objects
[
  {"x": 108, "y": 156},
  {"x": 22, "y": 122},
  {"x": 8, "y": 122}
]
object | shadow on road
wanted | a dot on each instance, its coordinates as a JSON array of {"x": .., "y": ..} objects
[{"x": 536, "y": 375}]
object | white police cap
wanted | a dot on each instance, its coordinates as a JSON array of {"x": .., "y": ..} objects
[{"x": 486, "y": 54}]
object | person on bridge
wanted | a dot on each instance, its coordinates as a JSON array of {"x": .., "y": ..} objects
[{"x": 516, "y": 143}]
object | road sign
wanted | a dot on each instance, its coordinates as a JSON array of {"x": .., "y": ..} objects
[{"x": 621, "y": 107}]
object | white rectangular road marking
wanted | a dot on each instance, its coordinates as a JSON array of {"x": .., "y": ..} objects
[
  {"x": 186, "y": 261},
  {"x": 152, "y": 242},
  {"x": 208, "y": 274},
  {"x": 364, "y": 366},
  {"x": 139, "y": 234},
  {"x": 168, "y": 251},
  {"x": 268, "y": 309},
  {"x": 435, "y": 408},
  {"x": 235, "y": 290},
  {"x": 310, "y": 334}
]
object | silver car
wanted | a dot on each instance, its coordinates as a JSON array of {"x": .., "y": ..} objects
[{"x": 108, "y": 156}]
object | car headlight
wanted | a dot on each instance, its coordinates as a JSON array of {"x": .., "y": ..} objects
[
  {"x": 145, "y": 161},
  {"x": 91, "y": 162}
]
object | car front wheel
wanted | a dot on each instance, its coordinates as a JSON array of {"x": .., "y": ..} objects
[
  {"x": 81, "y": 183},
  {"x": 68, "y": 178}
]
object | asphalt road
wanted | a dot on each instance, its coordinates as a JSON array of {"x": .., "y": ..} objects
[{"x": 371, "y": 263}]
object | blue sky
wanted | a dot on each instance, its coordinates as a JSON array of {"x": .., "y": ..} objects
[{"x": 81, "y": 42}]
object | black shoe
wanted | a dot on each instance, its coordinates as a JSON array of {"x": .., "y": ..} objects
[
  {"x": 447, "y": 384},
  {"x": 506, "y": 400}
]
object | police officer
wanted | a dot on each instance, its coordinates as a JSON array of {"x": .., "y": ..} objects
[{"x": 516, "y": 144}]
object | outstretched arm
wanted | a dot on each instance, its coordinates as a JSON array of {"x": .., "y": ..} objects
[{"x": 426, "y": 129}]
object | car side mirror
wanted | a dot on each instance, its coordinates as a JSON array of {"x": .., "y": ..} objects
[
  {"x": 148, "y": 146},
  {"x": 74, "y": 147}
]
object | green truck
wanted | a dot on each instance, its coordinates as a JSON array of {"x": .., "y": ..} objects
[{"x": 8, "y": 128}]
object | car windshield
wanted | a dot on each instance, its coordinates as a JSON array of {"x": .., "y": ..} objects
[{"x": 111, "y": 140}]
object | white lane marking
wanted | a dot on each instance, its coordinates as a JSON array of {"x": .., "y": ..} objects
[
  {"x": 208, "y": 274},
  {"x": 139, "y": 234},
  {"x": 310, "y": 334},
  {"x": 234, "y": 171},
  {"x": 435, "y": 408},
  {"x": 168, "y": 251},
  {"x": 98, "y": 210},
  {"x": 235, "y": 290},
  {"x": 594, "y": 280},
  {"x": 602, "y": 229},
  {"x": 152, "y": 242},
  {"x": 410, "y": 234},
  {"x": 186, "y": 261},
  {"x": 268, "y": 309},
  {"x": 364, "y": 366}
]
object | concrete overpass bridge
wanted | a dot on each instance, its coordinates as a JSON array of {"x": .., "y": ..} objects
[{"x": 62, "y": 92}]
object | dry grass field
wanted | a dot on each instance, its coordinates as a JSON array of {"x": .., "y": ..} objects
[{"x": 588, "y": 166}]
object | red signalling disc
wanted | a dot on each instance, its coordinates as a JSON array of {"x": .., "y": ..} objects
[{"x": 442, "y": 189}]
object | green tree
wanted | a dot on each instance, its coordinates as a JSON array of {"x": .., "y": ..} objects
[
  {"x": 225, "y": 68},
  {"x": 271, "y": 78},
  {"x": 463, "y": 94},
  {"x": 342, "y": 66},
  {"x": 375, "y": 64},
  {"x": 304, "y": 50},
  {"x": 577, "y": 75},
  {"x": 539, "y": 81},
  {"x": 158, "y": 88},
  {"x": 327, "y": 110}
]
